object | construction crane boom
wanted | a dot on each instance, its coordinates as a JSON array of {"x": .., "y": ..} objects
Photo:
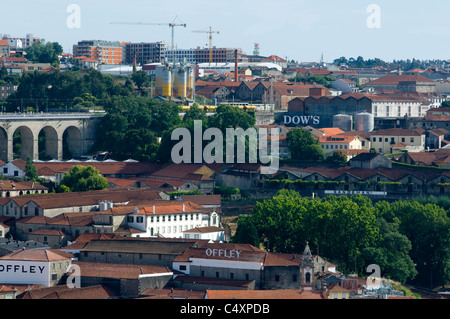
[
  {"x": 171, "y": 25},
  {"x": 210, "y": 40}
]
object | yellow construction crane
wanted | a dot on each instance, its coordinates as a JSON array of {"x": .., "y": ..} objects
[
  {"x": 210, "y": 40},
  {"x": 171, "y": 25}
]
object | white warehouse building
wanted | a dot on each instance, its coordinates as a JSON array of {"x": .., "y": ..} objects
[{"x": 172, "y": 219}]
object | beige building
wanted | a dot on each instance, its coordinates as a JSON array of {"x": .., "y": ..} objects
[
  {"x": 389, "y": 140},
  {"x": 343, "y": 143}
]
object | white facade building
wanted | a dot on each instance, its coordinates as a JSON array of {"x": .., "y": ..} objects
[
  {"x": 206, "y": 233},
  {"x": 393, "y": 108},
  {"x": 34, "y": 267},
  {"x": 171, "y": 219}
]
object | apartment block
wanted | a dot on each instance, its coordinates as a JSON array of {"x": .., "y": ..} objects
[
  {"x": 144, "y": 53},
  {"x": 105, "y": 52}
]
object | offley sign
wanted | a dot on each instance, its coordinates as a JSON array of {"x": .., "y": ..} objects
[
  {"x": 32, "y": 269},
  {"x": 230, "y": 253},
  {"x": 25, "y": 272}
]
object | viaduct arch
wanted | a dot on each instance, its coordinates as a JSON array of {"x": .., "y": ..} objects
[{"x": 73, "y": 133}]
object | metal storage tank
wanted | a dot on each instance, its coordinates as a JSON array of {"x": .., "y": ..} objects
[
  {"x": 159, "y": 78},
  {"x": 190, "y": 80},
  {"x": 343, "y": 121},
  {"x": 181, "y": 82},
  {"x": 364, "y": 122},
  {"x": 166, "y": 82}
]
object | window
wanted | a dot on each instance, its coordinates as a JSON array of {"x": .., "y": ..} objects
[
  {"x": 277, "y": 277},
  {"x": 182, "y": 267},
  {"x": 380, "y": 139},
  {"x": 16, "y": 173},
  {"x": 139, "y": 219},
  {"x": 294, "y": 278},
  {"x": 217, "y": 274},
  {"x": 130, "y": 219},
  {"x": 231, "y": 275},
  {"x": 412, "y": 139},
  {"x": 403, "y": 139}
]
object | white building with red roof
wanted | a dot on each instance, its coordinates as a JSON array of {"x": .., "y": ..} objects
[{"x": 34, "y": 266}]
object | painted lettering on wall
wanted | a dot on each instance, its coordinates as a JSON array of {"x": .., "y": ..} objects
[
  {"x": 301, "y": 119},
  {"x": 31, "y": 269},
  {"x": 230, "y": 253}
]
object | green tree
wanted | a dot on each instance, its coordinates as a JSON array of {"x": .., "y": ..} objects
[
  {"x": 445, "y": 104},
  {"x": 391, "y": 253},
  {"x": 140, "y": 78},
  {"x": 228, "y": 116},
  {"x": 337, "y": 158},
  {"x": 44, "y": 52},
  {"x": 303, "y": 146},
  {"x": 246, "y": 232},
  {"x": 31, "y": 172},
  {"x": 84, "y": 178},
  {"x": 194, "y": 113},
  {"x": 427, "y": 226}
]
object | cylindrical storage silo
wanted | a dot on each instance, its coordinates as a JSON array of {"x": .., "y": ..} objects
[
  {"x": 159, "y": 78},
  {"x": 190, "y": 79},
  {"x": 182, "y": 85},
  {"x": 167, "y": 82},
  {"x": 364, "y": 122},
  {"x": 343, "y": 121}
]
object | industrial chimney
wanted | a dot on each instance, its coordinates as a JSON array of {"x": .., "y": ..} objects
[{"x": 235, "y": 65}]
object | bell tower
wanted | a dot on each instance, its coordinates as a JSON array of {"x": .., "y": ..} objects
[{"x": 306, "y": 270}]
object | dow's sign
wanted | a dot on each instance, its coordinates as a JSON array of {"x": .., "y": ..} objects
[{"x": 301, "y": 119}]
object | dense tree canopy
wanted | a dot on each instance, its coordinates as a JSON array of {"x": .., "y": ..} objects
[
  {"x": 44, "y": 52},
  {"x": 303, "y": 146},
  {"x": 60, "y": 90},
  {"x": 83, "y": 178},
  {"x": 408, "y": 240}
]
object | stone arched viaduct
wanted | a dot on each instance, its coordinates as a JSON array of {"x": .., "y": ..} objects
[{"x": 78, "y": 130}]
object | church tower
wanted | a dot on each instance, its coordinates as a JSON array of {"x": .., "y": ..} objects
[{"x": 307, "y": 270}]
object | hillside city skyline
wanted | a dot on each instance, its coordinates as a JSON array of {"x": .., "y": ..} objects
[{"x": 305, "y": 31}]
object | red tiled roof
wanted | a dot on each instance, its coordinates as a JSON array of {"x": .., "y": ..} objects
[
  {"x": 264, "y": 294},
  {"x": 26, "y": 185},
  {"x": 398, "y": 132},
  {"x": 64, "y": 292},
  {"x": 394, "y": 79},
  {"x": 122, "y": 271},
  {"x": 331, "y": 130},
  {"x": 50, "y": 232},
  {"x": 35, "y": 255},
  {"x": 206, "y": 229},
  {"x": 172, "y": 293},
  {"x": 105, "y": 168}
]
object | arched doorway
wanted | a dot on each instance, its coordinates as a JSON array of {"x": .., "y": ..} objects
[
  {"x": 23, "y": 143},
  {"x": 72, "y": 143},
  {"x": 3, "y": 145},
  {"x": 48, "y": 143}
]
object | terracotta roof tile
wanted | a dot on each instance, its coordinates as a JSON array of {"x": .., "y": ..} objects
[
  {"x": 264, "y": 294},
  {"x": 123, "y": 271},
  {"x": 35, "y": 255}
]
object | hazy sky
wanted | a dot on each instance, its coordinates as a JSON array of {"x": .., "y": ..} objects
[{"x": 297, "y": 29}]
